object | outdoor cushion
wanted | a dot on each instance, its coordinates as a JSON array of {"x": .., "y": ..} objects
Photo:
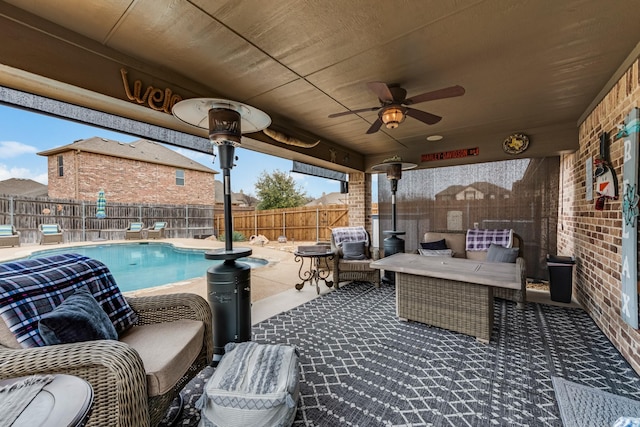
[
  {"x": 6, "y": 230},
  {"x": 497, "y": 253},
  {"x": 167, "y": 350},
  {"x": 435, "y": 245},
  {"x": 159, "y": 225},
  {"x": 479, "y": 239},
  {"x": 79, "y": 318},
  {"x": 33, "y": 287},
  {"x": 50, "y": 229},
  {"x": 254, "y": 385},
  {"x": 353, "y": 250},
  {"x": 135, "y": 226},
  {"x": 436, "y": 252}
]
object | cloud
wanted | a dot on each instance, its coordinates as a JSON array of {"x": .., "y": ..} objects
[
  {"x": 7, "y": 173},
  {"x": 14, "y": 149}
]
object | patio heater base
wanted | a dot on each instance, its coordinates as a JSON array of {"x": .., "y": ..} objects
[{"x": 392, "y": 245}]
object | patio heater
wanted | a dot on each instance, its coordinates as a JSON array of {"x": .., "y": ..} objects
[
  {"x": 393, "y": 244},
  {"x": 228, "y": 283}
]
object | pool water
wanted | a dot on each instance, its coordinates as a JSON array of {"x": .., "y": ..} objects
[{"x": 145, "y": 265}]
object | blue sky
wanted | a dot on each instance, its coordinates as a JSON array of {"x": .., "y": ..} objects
[{"x": 24, "y": 133}]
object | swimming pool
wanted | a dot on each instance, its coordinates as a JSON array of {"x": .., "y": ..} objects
[{"x": 145, "y": 265}]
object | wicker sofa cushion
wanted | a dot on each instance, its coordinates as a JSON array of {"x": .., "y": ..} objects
[
  {"x": 167, "y": 350},
  {"x": 33, "y": 287}
]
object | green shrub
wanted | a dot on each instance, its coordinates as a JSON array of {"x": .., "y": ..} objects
[{"x": 236, "y": 237}]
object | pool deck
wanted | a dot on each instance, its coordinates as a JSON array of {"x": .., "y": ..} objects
[{"x": 272, "y": 286}]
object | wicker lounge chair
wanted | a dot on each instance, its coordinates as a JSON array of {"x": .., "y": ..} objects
[
  {"x": 345, "y": 269},
  {"x": 9, "y": 236},
  {"x": 134, "y": 231},
  {"x": 50, "y": 233},
  {"x": 133, "y": 381},
  {"x": 157, "y": 232}
]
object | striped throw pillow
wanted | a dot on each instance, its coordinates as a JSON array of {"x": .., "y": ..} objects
[
  {"x": 136, "y": 226},
  {"x": 50, "y": 228},
  {"x": 6, "y": 230}
]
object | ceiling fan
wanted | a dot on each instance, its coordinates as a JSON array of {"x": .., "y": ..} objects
[{"x": 393, "y": 100}]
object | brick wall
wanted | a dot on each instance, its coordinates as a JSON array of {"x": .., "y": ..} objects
[
  {"x": 593, "y": 236},
  {"x": 127, "y": 181},
  {"x": 360, "y": 200}
]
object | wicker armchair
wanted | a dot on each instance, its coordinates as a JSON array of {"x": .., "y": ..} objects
[
  {"x": 9, "y": 236},
  {"x": 113, "y": 368},
  {"x": 134, "y": 231},
  {"x": 50, "y": 233},
  {"x": 353, "y": 269},
  {"x": 157, "y": 232}
]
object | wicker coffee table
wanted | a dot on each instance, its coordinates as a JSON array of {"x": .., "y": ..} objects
[{"x": 450, "y": 293}]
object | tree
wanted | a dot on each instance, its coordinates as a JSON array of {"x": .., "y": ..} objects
[{"x": 278, "y": 190}]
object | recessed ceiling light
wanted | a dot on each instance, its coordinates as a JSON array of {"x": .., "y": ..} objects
[{"x": 434, "y": 137}]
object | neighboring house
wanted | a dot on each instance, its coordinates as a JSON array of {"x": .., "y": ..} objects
[
  {"x": 138, "y": 172},
  {"x": 474, "y": 191},
  {"x": 23, "y": 187},
  {"x": 335, "y": 198},
  {"x": 237, "y": 199}
]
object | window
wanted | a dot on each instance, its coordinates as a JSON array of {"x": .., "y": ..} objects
[
  {"x": 469, "y": 195},
  {"x": 60, "y": 165},
  {"x": 180, "y": 177}
]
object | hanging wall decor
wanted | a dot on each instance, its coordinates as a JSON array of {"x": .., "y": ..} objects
[
  {"x": 629, "y": 273},
  {"x": 606, "y": 180}
]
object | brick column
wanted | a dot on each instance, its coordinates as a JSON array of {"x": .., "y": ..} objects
[{"x": 360, "y": 200}]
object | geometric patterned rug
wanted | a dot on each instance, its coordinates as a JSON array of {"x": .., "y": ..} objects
[
  {"x": 582, "y": 406},
  {"x": 361, "y": 366}
]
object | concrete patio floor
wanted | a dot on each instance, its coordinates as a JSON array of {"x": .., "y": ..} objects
[{"x": 272, "y": 286}]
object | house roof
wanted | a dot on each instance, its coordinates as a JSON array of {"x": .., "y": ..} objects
[
  {"x": 142, "y": 149},
  {"x": 23, "y": 187},
  {"x": 335, "y": 198},
  {"x": 482, "y": 186},
  {"x": 236, "y": 198}
]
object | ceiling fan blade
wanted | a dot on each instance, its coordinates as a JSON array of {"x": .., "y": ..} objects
[
  {"x": 375, "y": 127},
  {"x": 362, "y": 110},
  {"x": 423, "y": 116},
  {"x": 381, "y": 90},
  {"x": 448, "y": 92}
]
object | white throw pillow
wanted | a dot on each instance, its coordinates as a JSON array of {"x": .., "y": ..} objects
[{"x": 436, "y": 252}]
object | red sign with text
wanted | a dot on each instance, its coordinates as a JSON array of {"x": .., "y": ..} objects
[{"x": 453, "y": 154}]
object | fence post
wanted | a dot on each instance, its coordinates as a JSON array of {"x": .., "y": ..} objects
[
  {"x": 84, "y": 225},
  {"x": 284, "y": 223},
  {"x": 186, "y": 219},
  {"x": 255, "y": 223},
  {"x": 317, "y": 225},
  {"x": 11, "y": 210}
]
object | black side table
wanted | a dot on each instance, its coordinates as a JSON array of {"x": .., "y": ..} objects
[{"x": 318, "y": 268}]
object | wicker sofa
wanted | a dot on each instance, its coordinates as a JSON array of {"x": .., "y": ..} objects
[
  {"x": 134, "y": 378},
  {"x": 457, "y": 242},
  {"x": 353, "y": 269}
]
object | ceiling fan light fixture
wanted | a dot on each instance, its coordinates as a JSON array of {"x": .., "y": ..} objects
[{"x": 392, "y": 117}]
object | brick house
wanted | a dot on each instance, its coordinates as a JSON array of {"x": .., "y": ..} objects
[{"x": 138, "y": 172}]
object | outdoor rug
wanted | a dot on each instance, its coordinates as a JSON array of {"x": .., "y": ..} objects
[
  {"x": 582, "y": 406},
  {"x": 361, "y": 366}
]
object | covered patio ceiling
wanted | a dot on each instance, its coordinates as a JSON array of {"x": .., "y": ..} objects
[{"x": 527, "y": 66}]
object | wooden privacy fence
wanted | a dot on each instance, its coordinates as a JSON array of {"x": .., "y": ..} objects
[
  {"x": 307, "y": 223},
  {"x": 78, "y": 218}
]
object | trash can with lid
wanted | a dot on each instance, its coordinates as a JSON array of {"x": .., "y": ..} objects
[{"x": 560, "y": 277}]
